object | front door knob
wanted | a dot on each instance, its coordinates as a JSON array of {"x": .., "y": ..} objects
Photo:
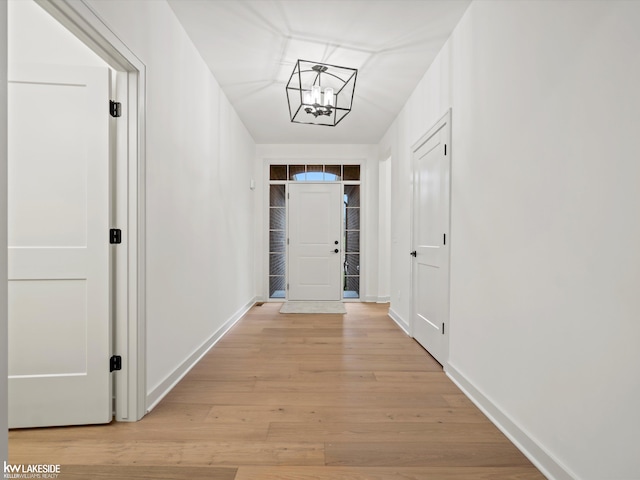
[{"x": 414, "y": 254}]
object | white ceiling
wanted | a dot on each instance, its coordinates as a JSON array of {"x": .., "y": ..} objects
[{"x": 251, "y": 47}]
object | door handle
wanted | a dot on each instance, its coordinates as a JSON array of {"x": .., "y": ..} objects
[{"x": 414, "y": 254}]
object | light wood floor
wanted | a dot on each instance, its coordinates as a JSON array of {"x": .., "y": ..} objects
[{"x": 295, "y": 397}]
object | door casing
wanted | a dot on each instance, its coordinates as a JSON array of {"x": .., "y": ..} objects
[
  {"x": 262, "y": 284},
  {"x": 128, "y": 205}
]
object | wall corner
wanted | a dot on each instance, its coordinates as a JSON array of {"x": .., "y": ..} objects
[{"x": 3, "y": 234}]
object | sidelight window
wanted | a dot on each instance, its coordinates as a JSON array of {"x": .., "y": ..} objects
[
  {"x": 277, "y": 241},
  {"x": 351, "y": 242}
]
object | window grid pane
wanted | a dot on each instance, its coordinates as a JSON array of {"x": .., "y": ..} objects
[
  {"x": 276, "y": 287},
  {"x": 296, "y": 173},
  {"x": 276, "y": 264},
  {"x": 277, "y": 218},
  {"x": 351, "y": 287},
  {"x": 351, "y": 172},
  {"x": 352, "y": 218},
  {"x": 277, "y": 196},
  {"x": 352, "y": 264},
  {"x": 333, "y": 173},
  {"x": 353, "y": 242},
  {"x": 315, "y": 168},
  {"x": 352, "y": 195},
  {"x": 276, "y": 241},
  {"x": 278, "y": 172}
]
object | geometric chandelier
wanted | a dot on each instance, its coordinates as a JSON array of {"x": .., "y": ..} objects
[{"x": 319, "y": 93}]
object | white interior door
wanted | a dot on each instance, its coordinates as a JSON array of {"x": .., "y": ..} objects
[
  {"x": 315, "y": 226},
  {"x": 430, "y": 228},
  {"x": 58, "y": 236}
]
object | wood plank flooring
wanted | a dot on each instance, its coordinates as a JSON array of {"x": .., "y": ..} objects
[{"x": 295, "y": 397}]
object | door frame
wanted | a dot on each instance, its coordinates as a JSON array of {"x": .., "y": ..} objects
[
  {"x": 262, "y": 249},
  {"x": 444, "y": 121},
  {"x": 128, "y": 201}
]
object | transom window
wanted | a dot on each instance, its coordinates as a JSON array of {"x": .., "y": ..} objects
[{"x": 315, "y": 173}]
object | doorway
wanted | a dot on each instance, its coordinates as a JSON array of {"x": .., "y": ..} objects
[
  {"x": 430, "y": 231},
  {"x": 291, "y": 184},
  {"x": 125, "y": 287}
]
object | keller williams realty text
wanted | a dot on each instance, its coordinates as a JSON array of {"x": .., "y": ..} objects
[{"x": 31, "y": 471}]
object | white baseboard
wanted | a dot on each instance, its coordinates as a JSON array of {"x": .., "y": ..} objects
[
  {"x": 403, "y": 324},
  {"x": 550, "y": 468},
  {"x": 159, "y": 392},
  {"x": 375, "y": 299}
]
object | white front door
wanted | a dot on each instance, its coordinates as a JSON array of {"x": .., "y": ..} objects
[
  {"x": 430, "y": 230},
  {"x": 315, "y": 227},
  {"x": 58, "y": 236}
]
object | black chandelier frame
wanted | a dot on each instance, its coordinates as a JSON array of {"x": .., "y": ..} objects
[{"x": 344, "y": 79}]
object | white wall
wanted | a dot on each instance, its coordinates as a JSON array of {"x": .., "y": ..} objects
[
  {"x": 384, "y": 228},
  {"x": 3, "y": 235},
  {"x": 35, "y": 37},
  {"x": 545, "y": 264},
  {"x": 364, "y": 154},
  {"x": 200, "y": 210}
]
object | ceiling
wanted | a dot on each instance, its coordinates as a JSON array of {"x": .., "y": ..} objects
[{"x": 251, "y": 47}]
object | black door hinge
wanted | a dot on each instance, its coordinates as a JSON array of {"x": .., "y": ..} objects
[
  {"x": 115, "y": 108},
  {"x": 444, "y": 239},
  {"x": 445, "y": 148},
  {"x": 115, "y": 236},
  {"x": 115, "y": 363},
  {"x": 443, "y": 328}
]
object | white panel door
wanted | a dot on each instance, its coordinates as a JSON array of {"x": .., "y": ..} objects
[
  {"x": 315, "y": 226},
  {"x": 431, "y": 254},
  {"x": 58, "y": 236}
]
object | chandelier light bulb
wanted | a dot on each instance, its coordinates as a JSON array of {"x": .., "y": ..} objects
[
  {"x": 307, "y": 98},
  {"x": 315, "y": 93},
  {"x": 328, "y": 97}
]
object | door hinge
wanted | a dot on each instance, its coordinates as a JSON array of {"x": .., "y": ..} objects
[
  {"x": 115, "y": 363},
  {"x": 287, "y": 241},
  {"x": 445, "y": 148},
  {"x": 444, "y": 239},
  {"x": 443, "y": 328},
  {"x": 287, "y": 286},
  {"x": 115, "y": 236},
  {"x": 115, "y": 108}
]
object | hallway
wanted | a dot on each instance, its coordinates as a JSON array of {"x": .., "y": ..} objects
[{"x": 295, "y": 397}]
